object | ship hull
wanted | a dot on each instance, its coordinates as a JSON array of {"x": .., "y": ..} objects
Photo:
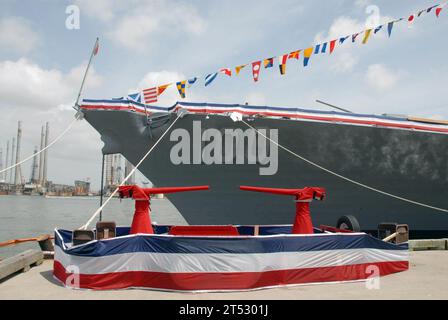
[{"x": 405, "y": 163}]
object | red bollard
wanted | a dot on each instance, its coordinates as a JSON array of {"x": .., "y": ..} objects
[
  {"x": 141, "y": 222},
  {"x": 302, "y": 222}
]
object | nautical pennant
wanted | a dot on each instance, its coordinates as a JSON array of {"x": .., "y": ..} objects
[
  {"x": 430, "y": 8},
  {"x": 390, "y": 25},
  {"x": 332, "y": 45},
  {"x": 210, "y": 78},
  {"x": 324, "y": 48},
  {"x": 341, "y": 40},
  {"x": 268, "y": 63},
  {"x": 294, "y": 55},
  {"x": 366, "y": 36},
  {"x": 411, "y": 18},
  {"x": 282, "y": 63},
  {"x": 181, "y": 88},
  {"x": 226, "y": 71},
  {"x": 137, "y": 97},
  {"x": 191, "y": 81},
  {"x": 256, "y": 70},
  {"x": 161, "y": 89},
  {"x": 377, "y": 29},
  {"x": 354, "y": 36},
  {"x": 316, "y": 49},
  {"x": 238, "y": 69},
  {"x": 438, "y": 10},
  {"x": 306, "y": 55}
]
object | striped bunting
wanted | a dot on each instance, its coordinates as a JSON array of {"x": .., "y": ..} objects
[
  {"x": 192, "y": 263},
  {"x": 292, "y": 113}
]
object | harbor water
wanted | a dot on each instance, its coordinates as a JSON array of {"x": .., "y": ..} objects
[{"x": 30, "y": 216}]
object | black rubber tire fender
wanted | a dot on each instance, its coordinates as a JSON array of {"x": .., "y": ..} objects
[{"x": 348, "y": 222}]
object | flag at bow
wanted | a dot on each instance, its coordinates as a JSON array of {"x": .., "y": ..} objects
[
  {"x": 256, "y": 70},
  {"x": 150, "y": 95},
  {"x": 181, "y": 88},
  {"x": 96, "y": 48}
]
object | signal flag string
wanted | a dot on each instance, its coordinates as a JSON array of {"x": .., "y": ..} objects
[
  {"x": 97, "y": 212},
  {"x": 345, "y": 178}
]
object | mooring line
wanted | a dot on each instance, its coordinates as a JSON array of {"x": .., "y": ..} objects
[
  {"x": 77, "y": 117},
  {"x": 97, "y": 212},
  {"x": 345, "y": 178}
]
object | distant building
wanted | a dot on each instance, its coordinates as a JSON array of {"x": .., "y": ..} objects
[
  {"x": 82, "y": 187},
  {"x": 54, "y": 189}
]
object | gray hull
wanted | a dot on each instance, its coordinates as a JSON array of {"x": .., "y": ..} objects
[{"x": 406, "y": 163}]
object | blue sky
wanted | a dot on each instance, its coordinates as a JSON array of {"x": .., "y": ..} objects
[{"x": 145, "y": 43}]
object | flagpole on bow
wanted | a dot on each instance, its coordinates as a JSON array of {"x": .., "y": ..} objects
[{"x": 94, "y": 53}]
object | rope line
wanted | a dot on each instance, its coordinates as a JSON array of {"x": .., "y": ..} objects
[
  {"x": 85, "y": 226},
  {"x": 77, "y": 117},
  {"x": 345, "y": 178}
]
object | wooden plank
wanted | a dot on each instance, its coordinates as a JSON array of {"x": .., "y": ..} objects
[
  {"x": 20, "y": 262},
  {"x": 430, "y": 244},
  {"x": 426, "y": 120}
]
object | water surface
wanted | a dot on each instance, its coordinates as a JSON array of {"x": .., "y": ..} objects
[{"x": 30, "y": 216}]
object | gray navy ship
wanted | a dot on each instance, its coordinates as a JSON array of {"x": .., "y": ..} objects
[{"x": 402, "y": 156}]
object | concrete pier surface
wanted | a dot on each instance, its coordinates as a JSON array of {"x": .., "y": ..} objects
[{"x": 426, "y": 279}]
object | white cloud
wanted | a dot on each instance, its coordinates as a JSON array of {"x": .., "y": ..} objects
[
  {"x": 100, "y": 9},
  {"x": 344, "y": 61},
  {"x": 362, "y": 3},
  {"x": 17, "y": 35},
  {"x": 380, "y": 77},
  {"x": 135, "y": 25},
  {"x": 24, "y": 84},
  {"x": 256, "y": 98}
]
